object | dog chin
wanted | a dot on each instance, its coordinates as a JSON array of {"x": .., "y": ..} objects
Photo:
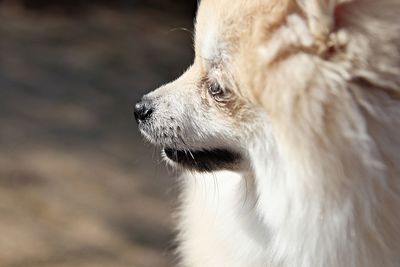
[{"x": 206, "y": 160}]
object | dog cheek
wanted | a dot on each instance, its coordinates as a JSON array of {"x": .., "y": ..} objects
[{"x": 234, "y": 110}]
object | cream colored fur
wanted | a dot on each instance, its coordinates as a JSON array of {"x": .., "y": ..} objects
[
  {"x": 319, "y": 127},
  {"x": 326, "y": 188}
]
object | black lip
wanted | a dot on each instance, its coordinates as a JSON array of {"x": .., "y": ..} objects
[{"x": 204, "y": 160}]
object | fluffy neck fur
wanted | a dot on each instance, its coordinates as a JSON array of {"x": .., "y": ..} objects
[
  {"x": 329, "y": 188},
  {"x": 324, "y": 189}
]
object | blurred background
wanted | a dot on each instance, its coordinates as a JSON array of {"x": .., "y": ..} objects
[{"x": 78, "y": 186}]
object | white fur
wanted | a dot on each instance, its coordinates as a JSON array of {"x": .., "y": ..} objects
[
  {"x": 293, "y": 210},
  {"x": 320, "y": 187},
  {"x": 210, "y": 45}
]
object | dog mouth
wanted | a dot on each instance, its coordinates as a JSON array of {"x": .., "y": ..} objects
[{"x": 204, "y": 160}]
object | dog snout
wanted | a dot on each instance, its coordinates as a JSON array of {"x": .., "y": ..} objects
[{"x": 143, "y": 109}]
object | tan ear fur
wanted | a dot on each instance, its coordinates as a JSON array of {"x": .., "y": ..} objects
[{"x": 320, "y": 15}]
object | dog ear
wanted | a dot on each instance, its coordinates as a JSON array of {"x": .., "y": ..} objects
[{"x": 321, "y": 16}]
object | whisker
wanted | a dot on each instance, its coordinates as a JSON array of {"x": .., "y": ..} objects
[
  {"x": 180, "y": 29},
  {"x": 191, "y": 154},
  {"x": 187, "y": 150}
]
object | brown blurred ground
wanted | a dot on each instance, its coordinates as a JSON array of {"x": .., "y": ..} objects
[{"x": 77, "y": 185}]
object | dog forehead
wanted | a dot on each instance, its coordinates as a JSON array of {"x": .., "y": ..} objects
[
  {"x": 211, "y": 48},
  {"x": 208, "y": 39},
  {"x": 215, "y": 27},
  {"x": 221, "y": 25}
]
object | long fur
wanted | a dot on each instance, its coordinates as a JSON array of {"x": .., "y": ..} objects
[
  {"x": 314, "y": 109},
  {"x": 326, "y": 182}
]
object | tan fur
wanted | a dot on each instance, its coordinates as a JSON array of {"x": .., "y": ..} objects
[
  {"x": 326, "y": 106},
  {"x": 311, "y": 104}
]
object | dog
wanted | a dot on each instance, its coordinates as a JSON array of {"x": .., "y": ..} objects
[{"x": 287, "y": 130}]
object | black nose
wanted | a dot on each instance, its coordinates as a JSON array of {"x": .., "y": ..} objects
[{"x": 143, "y": 110}]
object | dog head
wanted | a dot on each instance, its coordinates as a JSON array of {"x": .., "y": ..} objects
[{"x": 206, "y": 119}]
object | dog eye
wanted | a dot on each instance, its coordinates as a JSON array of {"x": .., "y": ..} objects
[{"x": 215, "y": 89}]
